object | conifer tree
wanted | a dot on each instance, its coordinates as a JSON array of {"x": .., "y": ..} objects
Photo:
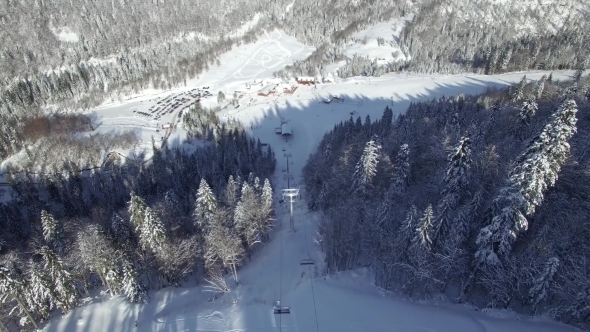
[
  {"x": 62, "y": 281},
  {"x": 543, "y": 283},
  {"x": 137, "y": 209},
  {"x": 231, "y": 193},
  {"x": 519, "y": 92},
  {"x": 205, "y": 206},
  {"x": 536, "y": 170},
  {"x": 528, "y": 110},
  {"x": 152, "y": 234},
  {"x": 366, "y": 169},
  {"x": 52, "y": 232},
  {"x": 455, "y": 181},
  {"x": 421, "y": 241},
  {"x": 41, "y": 292},
  {"x": 131, "y": 285},
  {"x": 14, "y": 287}
]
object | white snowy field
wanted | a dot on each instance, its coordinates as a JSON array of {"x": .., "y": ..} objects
[{"x": 342, "y": 302}]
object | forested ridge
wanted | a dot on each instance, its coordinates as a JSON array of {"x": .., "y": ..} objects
[
  {"x": 130, "y": 228},
  {"x": 484, "y": 198}
]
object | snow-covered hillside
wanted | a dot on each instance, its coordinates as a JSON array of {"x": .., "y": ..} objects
[{"x": 342, "y": 302}]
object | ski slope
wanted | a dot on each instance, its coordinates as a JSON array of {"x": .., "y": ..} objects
[{"x": 344, "y": 302}]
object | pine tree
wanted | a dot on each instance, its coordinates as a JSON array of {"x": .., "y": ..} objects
[
  {"x": 386, "y": 121},
  {"x": 13, "y": 287},
  {"x": 266, "y": 201},
  {"x": 366, "y": 169},
  {"x": 231, "y": 193},
  {"x": 63, "y": 284},
  {"x": 137, "y": 209},
  {"x": 543, "y": 283},
  {"x": 519, "y": 92},
  {"x": 528, "y": 110},
  {"x": 455, "y": 182},
  {"x": 41, "y": 292},
  {"x": 247, "y": 216},
  {"x": 52, "y": 232},
  {"x": 131, "y": 285},
  {"x": 401, "y": 169},
  {"x": 205, "y": 206},
  {"x": 421, "y": 240},
  {"x": 406, "y": 233},
  {"x": 536, "y": 170},
  {"x": 151, "y": 235}
]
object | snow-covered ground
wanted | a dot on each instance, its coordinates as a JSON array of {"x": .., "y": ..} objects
[
  {"x": 365, "y": 42},
  {"x": 342, "y": 302}
]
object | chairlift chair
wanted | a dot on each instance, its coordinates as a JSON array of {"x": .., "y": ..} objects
[
  {"x": 307, "y": 261},
  {"x": 279, "y": 310}
]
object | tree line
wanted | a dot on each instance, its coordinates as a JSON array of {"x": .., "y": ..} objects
[{"x": 483, "y": 198}]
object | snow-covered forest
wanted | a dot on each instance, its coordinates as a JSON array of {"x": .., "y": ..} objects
[
  {"x": 78, "y": 54},
  {"x": 484, "y": 198},
  {"x": 132, "y": 228}
]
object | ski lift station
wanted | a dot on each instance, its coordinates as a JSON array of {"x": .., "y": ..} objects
[{"x": 286, "y": 130}]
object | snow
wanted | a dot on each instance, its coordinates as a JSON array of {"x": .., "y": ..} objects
[
  {"x": 65, "y": 34},
  {"x": 365, "y": 42},
  {"x": 344, "y": 301}
]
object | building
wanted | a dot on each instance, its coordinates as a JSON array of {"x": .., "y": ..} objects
[
  {"x": 305, "y": 80},
  {"x": 286, "y": 130},
  {"x": 267, "y": 90},
  {"x": 328, "y": 79},
  {"x": 166, "y": 126}
]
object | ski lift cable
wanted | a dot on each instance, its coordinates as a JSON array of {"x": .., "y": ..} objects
[{"x": 317, "y": 328}]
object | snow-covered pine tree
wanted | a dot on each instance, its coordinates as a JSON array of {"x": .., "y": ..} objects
[
  {"x": 14, "y": 288},
  {"x": 455, "y": 182},
  {"x": 421, "y": 240},
  {"x": 528, "y": 110},
  {"x": 130, "y": 284},
  {"x": 406, "y": 233},
  {"x": 536, "y": 170},
  {"x": 266, "y": 201},
  {"x": 401, "y": 169},
  {"x": 52, "y": 232},
  {"x": 542, "y": 284},
  {"x": 247, "y": 216},
  {"x": 63, "y": 283},
  {"x": 137, "y": 209},
  {"x": 152, "y": 234},
  {"x": 231, "y": 193},
  {"x": 366, "y": 169},
  {"x": 519, "y": 91},
  {"x": 205, "y": 206},
  {"x": 41, "y": 292},
  {"x": 538, "y": 167}
]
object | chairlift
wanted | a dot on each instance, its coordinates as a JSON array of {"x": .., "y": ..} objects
[
  {"x": 307, "y": 261},
  {"x": 279, "y": 310}
]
